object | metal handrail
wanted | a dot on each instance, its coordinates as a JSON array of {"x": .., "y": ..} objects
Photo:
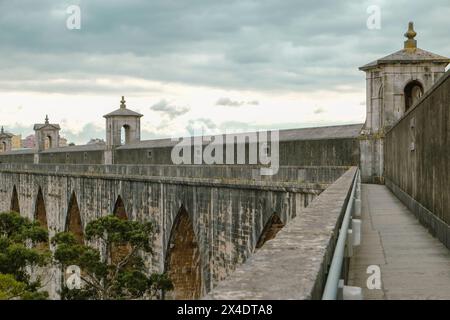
[{"x": 334, "y": 274}]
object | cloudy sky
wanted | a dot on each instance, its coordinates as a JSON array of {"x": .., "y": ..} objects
[{"x": 186, "y": 64}]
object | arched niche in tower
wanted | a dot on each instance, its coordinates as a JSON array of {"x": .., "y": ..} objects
[
  {"x": 271, "y": 228},
  {"x": 73, "y": 221},
  {"x": 15, "y": 201},
  {"x": 413, "y": 92},
  {"x": 183, "y": 263}
]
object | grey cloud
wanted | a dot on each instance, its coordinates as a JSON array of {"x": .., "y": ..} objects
[
  {"x": 201, "y": 125},
  {"x": 88, "y": 132},
  {"x": 234, "y": 103},
  {"x": 291, "y": 45},
  {"x": 319, "y": 110},
  {"x": 168, "y": 109},
  {"x": 61, "y": 84}
]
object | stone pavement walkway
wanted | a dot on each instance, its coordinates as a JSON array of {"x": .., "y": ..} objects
[{"x": 414, "y": 264}]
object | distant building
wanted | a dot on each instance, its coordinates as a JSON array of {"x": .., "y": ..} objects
[
  {"x": 62, "y": 142},
  {"x": 29, "y": 142},
  {"x": 96, "y": 141},
  {"x": 16, "y": 141}
]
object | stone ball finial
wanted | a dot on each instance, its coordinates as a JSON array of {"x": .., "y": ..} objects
[
  {"x": 122, "y": 102},
  {"x": 411, "y": 43}
]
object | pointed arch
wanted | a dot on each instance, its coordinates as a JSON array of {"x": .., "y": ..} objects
[
  {"x": 40, "y": 213},
  {"x": 272, "y": 227},
  {"x": 118, "y": 251},
  {"x": 183, "y": 264},
  {"x": 15, "y": 201},
  {"x": 73, "y": 221},
  {"x": 119, "y": 209}
]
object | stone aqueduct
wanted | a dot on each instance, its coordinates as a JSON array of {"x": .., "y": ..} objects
[
  {"x": 206, "y": 226},
  {"x": 212, "y": 218}
]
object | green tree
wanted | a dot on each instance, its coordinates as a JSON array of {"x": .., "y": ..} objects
[
  {"x": 18, "y": 254},
  {"x": 115, "y": 269}
]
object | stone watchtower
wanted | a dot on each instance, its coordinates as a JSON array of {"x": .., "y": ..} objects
[
  {"x": 123, "y": 126},
  {"x": 5, "y": 141},
  {"x": 393, "y": 85},
  {"x": 47, "y": 135}
]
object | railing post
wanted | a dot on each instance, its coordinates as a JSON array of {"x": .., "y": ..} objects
[
  {"x": 356, "y": 230},
  {"x": 349, "y": 244}
]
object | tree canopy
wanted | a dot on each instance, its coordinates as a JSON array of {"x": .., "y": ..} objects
[
  {"x": 115, "y": 269},
  {"x": 18, "y": 254}
]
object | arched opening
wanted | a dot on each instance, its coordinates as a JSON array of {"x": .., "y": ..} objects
[
  {"x": 119, "y": 209},
  {"x": 413, "y": 92},
  {"x": 40, "y": 214},
  {"x": 15, "y": 201},
  {"x": 47, "y": 143},
  {"x": 119, "y": 252},
  {"x": 182, "y": 264},
  {"x": 272, "y": 227},
  {"x": 73, "y": 222},
  {"x": 125, "y": 134},
  {"x": 3, "y": 146}
]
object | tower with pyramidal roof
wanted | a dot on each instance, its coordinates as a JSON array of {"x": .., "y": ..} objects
[{"x": 394, "y": 84}]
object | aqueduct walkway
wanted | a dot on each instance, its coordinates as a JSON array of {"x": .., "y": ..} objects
[{"x": 414, "y": 264}]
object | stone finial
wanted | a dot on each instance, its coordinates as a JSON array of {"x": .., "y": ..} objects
[
  {"x": 122, "y": 103},
  {"x": 3, "y": 131},
  {"x": 411, "y": 43},
  {"x": 46, "y": 119}
]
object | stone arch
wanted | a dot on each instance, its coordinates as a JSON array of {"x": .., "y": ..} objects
[
  {"x": 272, "y": 227},
  {"x": 3, "y": 145},
  {"x": 183, "y": 263},
  {"x": 73, "y": 220},
  {"x": 119, "y": 209},
  {"x": 413, "y": 92},
  {"x": 15, "y": 201},
  {"x": 40, "y": 213},
  {"x": 118, "y": 251}
]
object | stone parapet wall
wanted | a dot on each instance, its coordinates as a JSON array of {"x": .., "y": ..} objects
[
  {"x": 238, "y": 174},
  {"x": 294, "y": 264},
  {"x": 417, "y": 151}
]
